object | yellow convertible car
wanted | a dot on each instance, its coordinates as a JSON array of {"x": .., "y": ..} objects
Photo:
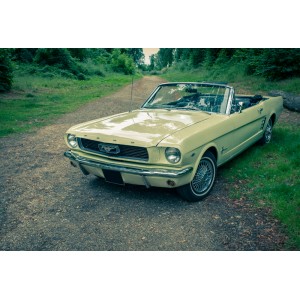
[{"x": 177, "y": 139}]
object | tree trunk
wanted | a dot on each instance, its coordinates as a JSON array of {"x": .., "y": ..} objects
[{"x": 290, "y": 101}]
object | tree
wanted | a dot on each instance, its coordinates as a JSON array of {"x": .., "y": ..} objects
[
  {"x": 80, "y": 53},
  {"x": 60, "y": 58},
  {"x": 278, "y": 63},
  {"x": 165, "y": 57},
  {"x": 197, "y": 56},
  {"x": 137, "y": 55},
  {"x": 152, "y": 62},
  {"x": 182, "y": 54},
  {"x": 121, "y": 62},
  {"x": 6, "y": 72},
  {"x": 24, "y": 55}
]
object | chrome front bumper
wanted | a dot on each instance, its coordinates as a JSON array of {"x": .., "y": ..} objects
[{"x": 136, "y": 171}]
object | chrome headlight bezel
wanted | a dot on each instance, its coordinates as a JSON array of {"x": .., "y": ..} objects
[
  {"x": 173, "y": 155},
  {"x": 72, "y": 140}
]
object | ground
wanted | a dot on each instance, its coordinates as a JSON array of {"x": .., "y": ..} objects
[{"x": 48, "y": 205}]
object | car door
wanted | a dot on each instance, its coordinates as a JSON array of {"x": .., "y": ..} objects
[{"x": 248, "y": 125}]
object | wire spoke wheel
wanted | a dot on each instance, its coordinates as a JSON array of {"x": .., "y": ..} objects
[
  {"x": 268, "y": 132},
  {"x": 203, "y": 180},
  {"x": 204, "y": 176},
  {"x": 267, "y": 136}
]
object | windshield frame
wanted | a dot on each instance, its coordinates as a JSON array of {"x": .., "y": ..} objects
[{"x": 227, "y": 89}]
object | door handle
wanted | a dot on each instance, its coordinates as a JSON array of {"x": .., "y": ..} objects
[{"x": 260, "y": 110}]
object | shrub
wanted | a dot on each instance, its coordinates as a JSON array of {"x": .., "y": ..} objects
[
  {"x": 60, "y": 58},
  {"x": 278, "y": 63},
  {"x": 92, "y": 67},
  {"x": 6, "y": 73},
  {"x": 24, "y": 55},
  {"x": 121, "y": 62}
]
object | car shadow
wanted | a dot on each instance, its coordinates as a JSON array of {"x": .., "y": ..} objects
[{"x": 137, "y": 192}]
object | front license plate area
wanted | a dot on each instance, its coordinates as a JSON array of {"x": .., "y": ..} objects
[{"x": 113, "y": 177}]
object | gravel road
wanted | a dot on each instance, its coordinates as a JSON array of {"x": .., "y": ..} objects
[{"x": 45, "y": 204}]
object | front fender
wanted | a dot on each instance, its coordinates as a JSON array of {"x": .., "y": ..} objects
[{"x": 212, "y": 147}]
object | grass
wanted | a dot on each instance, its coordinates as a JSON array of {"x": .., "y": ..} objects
[
  {"x": 270, "y": 175},
  {"x": 35, "y": 101},
  {"x": 234, "y": 75}
]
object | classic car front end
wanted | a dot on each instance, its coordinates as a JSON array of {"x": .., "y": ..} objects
[
  {"x": 128, "y": 148},
  {"x": 176, "y": 140}
]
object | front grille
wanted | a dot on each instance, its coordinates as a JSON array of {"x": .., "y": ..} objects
[{"x": 122, "y": 151}]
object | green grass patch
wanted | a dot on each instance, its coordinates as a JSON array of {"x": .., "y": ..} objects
[
  {"x": 270, "y": 176},
  {"x": 36, "y": 101}
]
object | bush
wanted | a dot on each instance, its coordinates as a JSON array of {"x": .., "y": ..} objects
[
  {"x": 278, "y": 63},
  {"x": 121, "y": 62},
  {"x": 60, "y": 58},
  {"x": 91, "y": 67},
  {"x": 6, "y": 72},
  {"x": 24, "y": 55},
  {"x": 273, "y": 64}
]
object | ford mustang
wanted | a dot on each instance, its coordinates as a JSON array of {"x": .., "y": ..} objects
[{"x": 177, "y": 139}]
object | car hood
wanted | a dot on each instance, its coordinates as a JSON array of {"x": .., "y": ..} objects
[{"x": 140, "y": 127}]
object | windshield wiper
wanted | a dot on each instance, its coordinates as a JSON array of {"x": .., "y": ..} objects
[
  {"x": 194, "y": 108},
  {"x": 158, "y": 107},
  {"x": 177, "y": 108}
]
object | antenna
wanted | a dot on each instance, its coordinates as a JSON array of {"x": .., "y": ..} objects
[{"x": 130, "y": 106}]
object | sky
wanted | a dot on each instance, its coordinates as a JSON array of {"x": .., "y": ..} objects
[{"x": 148, "y": 52}]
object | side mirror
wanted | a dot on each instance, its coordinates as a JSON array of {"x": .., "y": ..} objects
[{"x": 241, "y": 104}]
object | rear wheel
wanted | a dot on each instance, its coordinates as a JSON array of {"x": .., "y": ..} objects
[
  {"x": 203, "y": 180},
  {"x": 266, "y": 138}
]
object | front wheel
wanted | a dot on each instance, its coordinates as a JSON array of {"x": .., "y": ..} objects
[{"x": 203, "y": 180}]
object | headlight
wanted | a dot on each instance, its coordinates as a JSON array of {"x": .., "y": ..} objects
[
  {"x": 173, "y": 155},
  {"x": 72, "y": 141}
]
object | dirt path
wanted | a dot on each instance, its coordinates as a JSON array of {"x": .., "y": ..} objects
[{"x": 45, "y": 204}]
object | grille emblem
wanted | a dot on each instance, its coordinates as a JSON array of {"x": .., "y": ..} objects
[{"x": 109, "y": 148}]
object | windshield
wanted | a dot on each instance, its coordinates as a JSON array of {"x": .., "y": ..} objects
[{"x": 210, "y": 98}]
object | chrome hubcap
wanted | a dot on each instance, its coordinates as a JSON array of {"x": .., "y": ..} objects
[{"x": 203, "y": 177}]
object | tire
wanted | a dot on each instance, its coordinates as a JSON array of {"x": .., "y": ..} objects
[
  {"x": 266, "y": 138},
  {"x": 203, "y": 180}
]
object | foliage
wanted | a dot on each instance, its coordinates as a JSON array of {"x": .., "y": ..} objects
[
  {"x": 273, "y": 64},
  {"x": 196, "y": 56},
  {"x": 152, "y": 65},
  {"x": 60, "y": 58},
  {"x": 165, "y": 57},
  {"x": 6, "y": 72},
  {"x": 91, "y": 67},
  {"x": 80, "y": 53},
  {"x": 74, "y": 63},
  {"x": 121, "y": 62},
  {"x": 24, "y": 55},
  {"x": 234, "y": 74},
  {"x": 276, "y": 63},
  {"x": 136, "y": 54}
]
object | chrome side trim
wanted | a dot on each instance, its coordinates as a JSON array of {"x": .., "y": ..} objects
[{"x": 137, "y": 171}]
